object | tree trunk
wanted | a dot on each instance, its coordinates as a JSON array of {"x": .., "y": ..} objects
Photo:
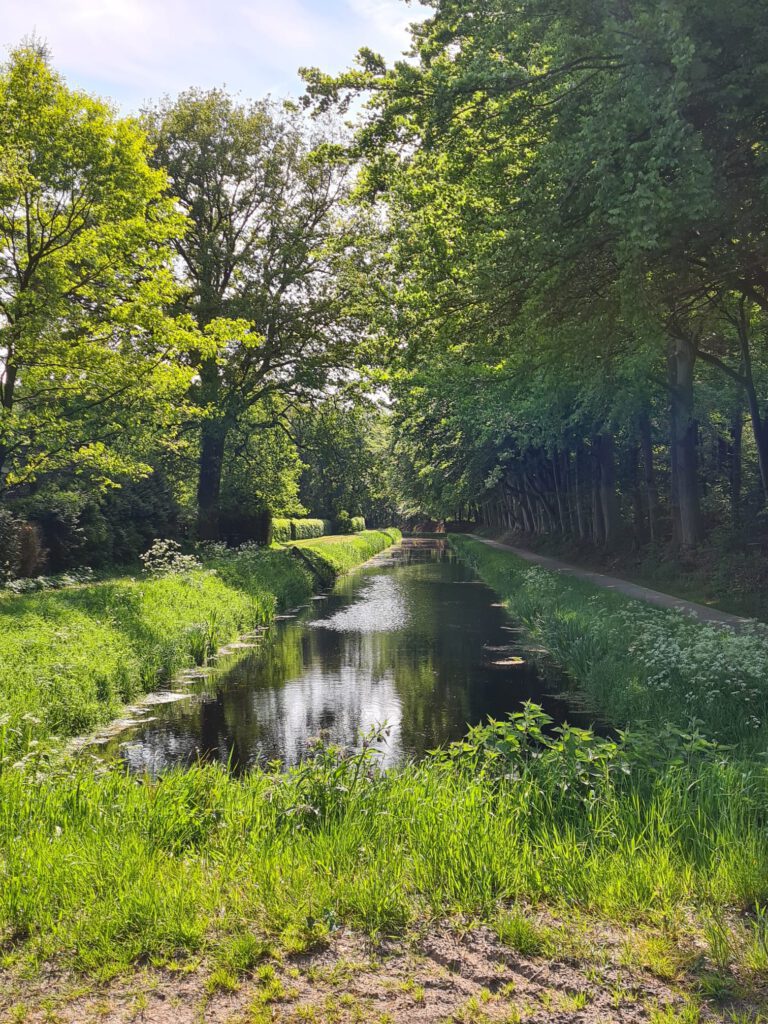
[
  {"x": 684, "y": 434},
  {"x": 578, "y": 474},
  {"x": 649, "y": 475},
  {"x": 213, "y": 437},
  {"x": 638, "y": 512},
  {"x": 598, "y": 527},
  {"x": 734, "y": 468},
  {"x": 609, "y": 504},
  {"x": 760, "y": 431}
]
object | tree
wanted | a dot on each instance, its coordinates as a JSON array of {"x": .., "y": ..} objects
[
  {"x": 577, "y": 189},
  {"x": 85, "y": 226},
  {"x": 260, "y": 264}
]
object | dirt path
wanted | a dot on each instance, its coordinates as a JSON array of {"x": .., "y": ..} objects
[{"x": 705, "y": 614}]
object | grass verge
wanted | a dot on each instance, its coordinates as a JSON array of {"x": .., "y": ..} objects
[
  {"x": 70, "y": 659},
  {"x": 329, "y": 556},
  {"x": 637, "y": 664},
  {"x": 101, "y": 871}
]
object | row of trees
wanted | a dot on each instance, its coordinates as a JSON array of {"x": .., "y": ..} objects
[
  {"x": 576, "y": 193},
  {"x": 180, "y": 320}
]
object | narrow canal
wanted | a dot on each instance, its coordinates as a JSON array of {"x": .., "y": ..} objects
[{"x": 412, "y": 640}]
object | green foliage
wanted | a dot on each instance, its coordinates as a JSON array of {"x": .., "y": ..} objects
[
  {"x": 262, "y": 269},
  {"x": 358, "y": 524},
  {"x": 557, "y": 183},
  {"x": 88, "y": 351},
  {"x": 343, "y": 522},
  {"x": 281, "y": 530},
  {"x": 103, "y": 870},
  {"x": 344, "y": 446},
  {"x": 303, "y": 529}
]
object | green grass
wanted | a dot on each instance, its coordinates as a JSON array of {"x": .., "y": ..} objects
[
  {"x": 638, "y": 665},
  {"x": 664, "y": 833},
  {"x": 104, "y": 870},
  {"x": 70, "y": 659},
  {"x": 330, "y": 556}
]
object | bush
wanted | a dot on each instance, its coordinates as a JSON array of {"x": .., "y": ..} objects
[
  {"x": 10, "y": 545},
  {"x": 281, "y": 530},
  {"x": 358, "y": 524},
  {"x": 165, "y": 558},
  {"x": 305, "y": 529},
  {"x": 343, "y": 523}
]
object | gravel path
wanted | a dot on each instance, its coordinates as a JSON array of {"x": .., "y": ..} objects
[{"x": 634, "y": 590}]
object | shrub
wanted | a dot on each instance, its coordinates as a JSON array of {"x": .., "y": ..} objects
[
  {"x": 343, "y": 523},
  {"x": 10, "y": 546},
  {"x": 358, "y": 524},
  {"x": 305, "y": 529},
  {"x": 281, "y": 530},
  {"x": 166, "y": 558}
]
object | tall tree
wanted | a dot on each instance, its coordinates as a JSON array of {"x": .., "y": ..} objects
[
  {"x": 260, "y": 264},
  {"x": 85, "y": 228}
]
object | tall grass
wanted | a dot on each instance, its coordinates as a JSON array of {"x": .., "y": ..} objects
[
  {"x": 104, "y": 870},
  {"x": 637, "y": 664},
  {"x": 70, "y": 659}
]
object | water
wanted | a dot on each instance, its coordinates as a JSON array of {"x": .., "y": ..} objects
[{"x": 412, "y": 639}]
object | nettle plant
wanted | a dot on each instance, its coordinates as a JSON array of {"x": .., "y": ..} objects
[{"x": 165, "y": 558}]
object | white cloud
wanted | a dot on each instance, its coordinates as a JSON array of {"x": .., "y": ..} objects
[{"x": 137, "y": 49}]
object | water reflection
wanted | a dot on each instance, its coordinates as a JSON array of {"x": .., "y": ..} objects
[{"x": 412, "y": 639}]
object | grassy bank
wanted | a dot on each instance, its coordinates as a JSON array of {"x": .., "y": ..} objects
[
  {"x": 327, "y": 557},
  {"x": 70, "y": 659},
  {"x": 542, "y": 835},
  {"x": 113, "y": 870},
  {"x": 637, "y": 665}
]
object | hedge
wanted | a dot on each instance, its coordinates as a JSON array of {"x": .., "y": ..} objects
[
  {"x": 304, "y": 529},
  {"x": 358, "y": 524},
  {"x": 281, "y": 530}
]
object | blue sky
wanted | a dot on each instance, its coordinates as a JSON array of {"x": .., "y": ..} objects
[{"x": 135, "y": 50}]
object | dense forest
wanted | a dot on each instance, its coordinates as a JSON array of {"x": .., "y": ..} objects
[{"x": 576, "y": 202}]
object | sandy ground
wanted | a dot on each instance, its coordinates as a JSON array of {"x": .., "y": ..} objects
[{"x": 446, "y": 975}]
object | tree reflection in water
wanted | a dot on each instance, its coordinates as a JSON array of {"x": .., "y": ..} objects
[{"x": 412, "y": 639}]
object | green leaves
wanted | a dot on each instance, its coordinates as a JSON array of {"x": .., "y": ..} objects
[{"x": 85, "y": 228}]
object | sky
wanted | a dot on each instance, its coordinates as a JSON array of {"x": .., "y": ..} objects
[{"x": 138, "y": 50}]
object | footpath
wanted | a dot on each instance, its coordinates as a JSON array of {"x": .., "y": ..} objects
[{"x": 702, "y": 612}]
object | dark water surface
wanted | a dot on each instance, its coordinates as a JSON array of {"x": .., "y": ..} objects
[{"x": 412, "y": 639}]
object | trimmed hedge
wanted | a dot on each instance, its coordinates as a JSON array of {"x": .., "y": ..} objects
[
  {"x": 281, "y": 530},
  {"x": 306, "y": 529},
  {"x": 285, "y": 530}
]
